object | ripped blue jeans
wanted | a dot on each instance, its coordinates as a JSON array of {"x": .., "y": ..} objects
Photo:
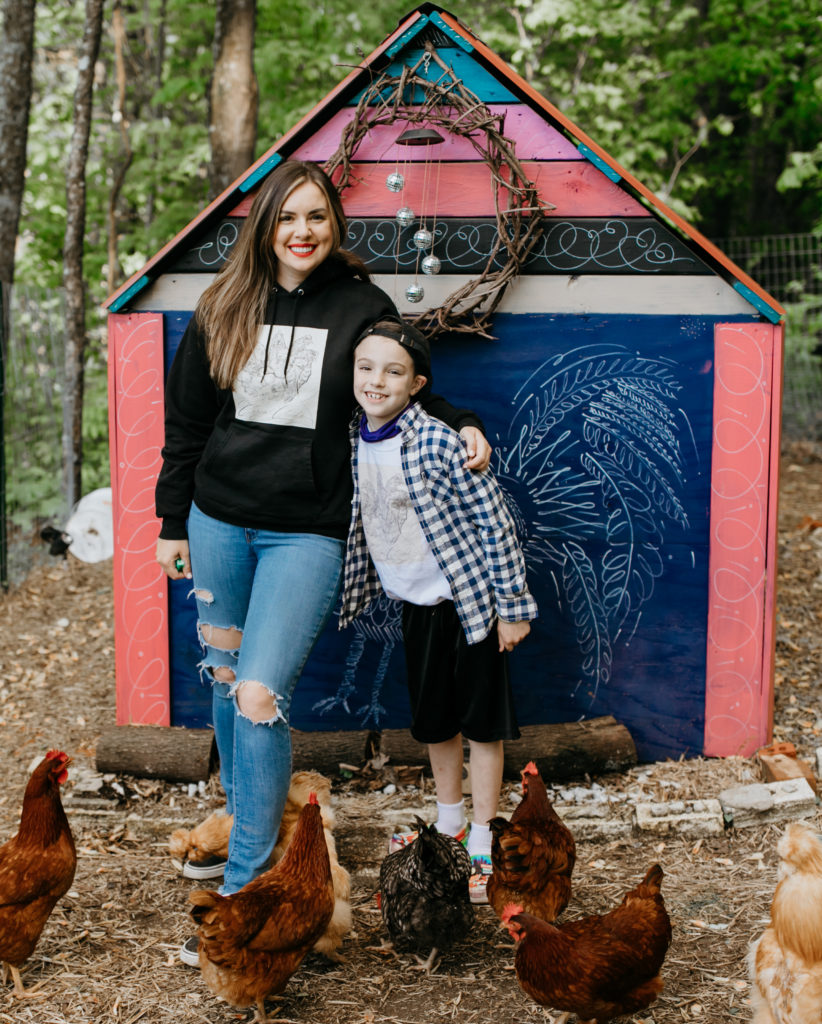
[{"x": 263, "y": 598}]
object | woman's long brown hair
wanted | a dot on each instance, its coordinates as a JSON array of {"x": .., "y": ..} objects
[{"x": 231, "y": 309}]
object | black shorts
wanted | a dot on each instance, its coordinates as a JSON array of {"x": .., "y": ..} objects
[{"x": 455, "y": 687}]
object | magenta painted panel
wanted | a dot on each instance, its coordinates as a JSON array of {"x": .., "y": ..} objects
[
  {"x": 534, "y": 138},
  {"x": 140, "y": 589},
  {"x": 576, "y": 188},
  {"x": 742, "y": 567}
]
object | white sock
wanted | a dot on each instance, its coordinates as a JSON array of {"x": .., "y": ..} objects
[
  {"x": 450, "y": 818},
  {"x": 479, "y": 841}
]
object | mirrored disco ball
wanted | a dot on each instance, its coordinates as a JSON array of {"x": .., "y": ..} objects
[
  {"x": 405, "y": 216},
  {"x": 414, "y": 292},
  {"x": 423, "y": 238},
  {"x": 395, "y": 182},
  {"x": 431, "y": 265}
]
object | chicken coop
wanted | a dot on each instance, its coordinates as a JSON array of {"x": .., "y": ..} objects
[{"x": 627, "y": 372}]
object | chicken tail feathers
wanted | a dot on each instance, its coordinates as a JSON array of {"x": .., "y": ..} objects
[{"x": 203, "y": 900}]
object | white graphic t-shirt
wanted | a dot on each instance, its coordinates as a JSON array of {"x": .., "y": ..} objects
[
  {"x": 404, "y": 562},
  {"x": 265, "y": 393}
]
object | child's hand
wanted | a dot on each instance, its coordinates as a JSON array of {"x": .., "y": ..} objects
[
  {"x": 511, "y": 633},
  {"x": 479, "y": 450}
]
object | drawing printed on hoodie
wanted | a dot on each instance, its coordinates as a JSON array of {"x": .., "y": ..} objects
[{"x": 277, "y": 388}]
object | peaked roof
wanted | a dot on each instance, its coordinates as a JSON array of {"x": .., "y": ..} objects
[{"x": 431, "y": 16}]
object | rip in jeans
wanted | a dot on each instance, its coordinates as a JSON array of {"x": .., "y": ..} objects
[{"x": 253, "y": 699}]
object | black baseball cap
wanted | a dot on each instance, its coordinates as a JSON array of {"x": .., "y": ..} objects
[{"x": 411, "y": 339}]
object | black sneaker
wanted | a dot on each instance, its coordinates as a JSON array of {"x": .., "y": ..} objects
[
  {"x": 188, "y": 952},
  {"x": 209, "y": 867}
]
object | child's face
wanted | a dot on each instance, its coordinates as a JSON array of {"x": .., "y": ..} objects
[{"x": 384, "y": 378}]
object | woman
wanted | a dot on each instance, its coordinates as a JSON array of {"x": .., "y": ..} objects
[{"x": 255, "y": 488}]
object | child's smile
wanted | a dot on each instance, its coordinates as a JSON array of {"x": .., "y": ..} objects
[{"x": 384, "y": 379}]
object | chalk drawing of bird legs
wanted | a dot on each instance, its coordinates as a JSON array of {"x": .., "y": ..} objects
[{"x": 380, "y": 623}]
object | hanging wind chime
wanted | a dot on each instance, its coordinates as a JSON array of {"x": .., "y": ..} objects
[{"x": 424, "y": 237}]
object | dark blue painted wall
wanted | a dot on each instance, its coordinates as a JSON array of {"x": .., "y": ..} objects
[{"x": 602, "y": 435}]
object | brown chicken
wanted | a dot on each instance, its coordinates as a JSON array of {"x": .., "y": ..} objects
[
  {"x": 210, "y": 839},
  {"x": 595, "y": 967},
  {"x": 252, "y": 941},
  {"x": 533, "y": 854},
  {"x": 786, "y": 962},
  {"x": 36, "y": 866}
]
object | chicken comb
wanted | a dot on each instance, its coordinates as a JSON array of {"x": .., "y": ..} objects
[
  {"x": 312, "y": 798},
  {"x": 530, "y": 769},
  {"x": 508, "y": 911},
  {"x": 52, "y": 755}
]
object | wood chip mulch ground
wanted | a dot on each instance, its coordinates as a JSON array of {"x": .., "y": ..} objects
[{"x": 109, "y": 952}]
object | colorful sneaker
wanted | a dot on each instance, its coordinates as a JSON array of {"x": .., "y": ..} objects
[
  {"x": 481, "y": 867},
  {"x": 401, "y": 839}
]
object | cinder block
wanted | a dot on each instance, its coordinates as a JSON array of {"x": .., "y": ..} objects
[
  {"x": 768, "y": 802},
  {"x": 592, "y": 822},
  {"x": 683, "y": 817}
]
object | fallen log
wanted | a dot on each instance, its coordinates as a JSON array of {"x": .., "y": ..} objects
[
  {"x": 157, "y": 752},
  {"x": 561, "y": 751}
]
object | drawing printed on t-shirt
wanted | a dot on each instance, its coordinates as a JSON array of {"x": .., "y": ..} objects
[
  {"x": 394, "y": 534},
  {"x": 265, "y": 391}
]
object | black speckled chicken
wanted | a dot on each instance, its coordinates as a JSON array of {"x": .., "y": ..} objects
[{"x": 424, "y": 893}]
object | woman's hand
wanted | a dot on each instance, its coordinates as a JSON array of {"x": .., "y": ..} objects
[
  {"x": 173, "y": 557},
  {"x": 479, "y": 450},
  {"x": 511, "y": 633}
]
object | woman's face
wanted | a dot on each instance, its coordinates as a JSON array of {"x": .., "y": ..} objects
[{"x": 304, "y": 235}]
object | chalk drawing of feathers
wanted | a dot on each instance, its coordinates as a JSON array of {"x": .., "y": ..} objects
[{"x": 593, "y": 471}]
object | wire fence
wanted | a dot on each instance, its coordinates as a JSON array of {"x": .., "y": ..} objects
[{"x": 787, "y": 266}]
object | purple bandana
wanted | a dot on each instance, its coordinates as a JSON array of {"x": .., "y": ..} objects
[{"x": 389, "y": 429}]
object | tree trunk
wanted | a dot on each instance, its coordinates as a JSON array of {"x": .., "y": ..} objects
[
  {"x": 73, "y": 255},
  {"x": 118, "y": 28},
  {"x": 16, "y": 48},
  {"x": 233, "y": 98}
]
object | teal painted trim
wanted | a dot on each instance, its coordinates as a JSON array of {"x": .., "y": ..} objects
[
  {"x": 597, "y": 161},
  {"x": 466, "y": 68},
  {"x": 755, "y": 300},
  {"x": 436, "y": 19},
  {"x": 261, "y": 172},
  {"x": 121, "y": 300},
  {"x": 407, "y": 36}
]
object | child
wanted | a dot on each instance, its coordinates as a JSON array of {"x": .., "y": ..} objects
[{"x": 438, "y": 537}]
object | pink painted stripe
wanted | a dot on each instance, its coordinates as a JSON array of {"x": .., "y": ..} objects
[
  {"x": 576, "y": 188},
  {"x": 743, "y": 523},
  {"x": 140, "y": 588},
  {"x": 535, "y": 139}
]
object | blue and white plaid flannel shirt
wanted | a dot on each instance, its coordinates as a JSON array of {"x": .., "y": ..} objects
[{"x": 466, "y": 522}]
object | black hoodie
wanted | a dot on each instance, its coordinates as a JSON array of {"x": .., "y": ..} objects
[{"x": 273, "y": 452}]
